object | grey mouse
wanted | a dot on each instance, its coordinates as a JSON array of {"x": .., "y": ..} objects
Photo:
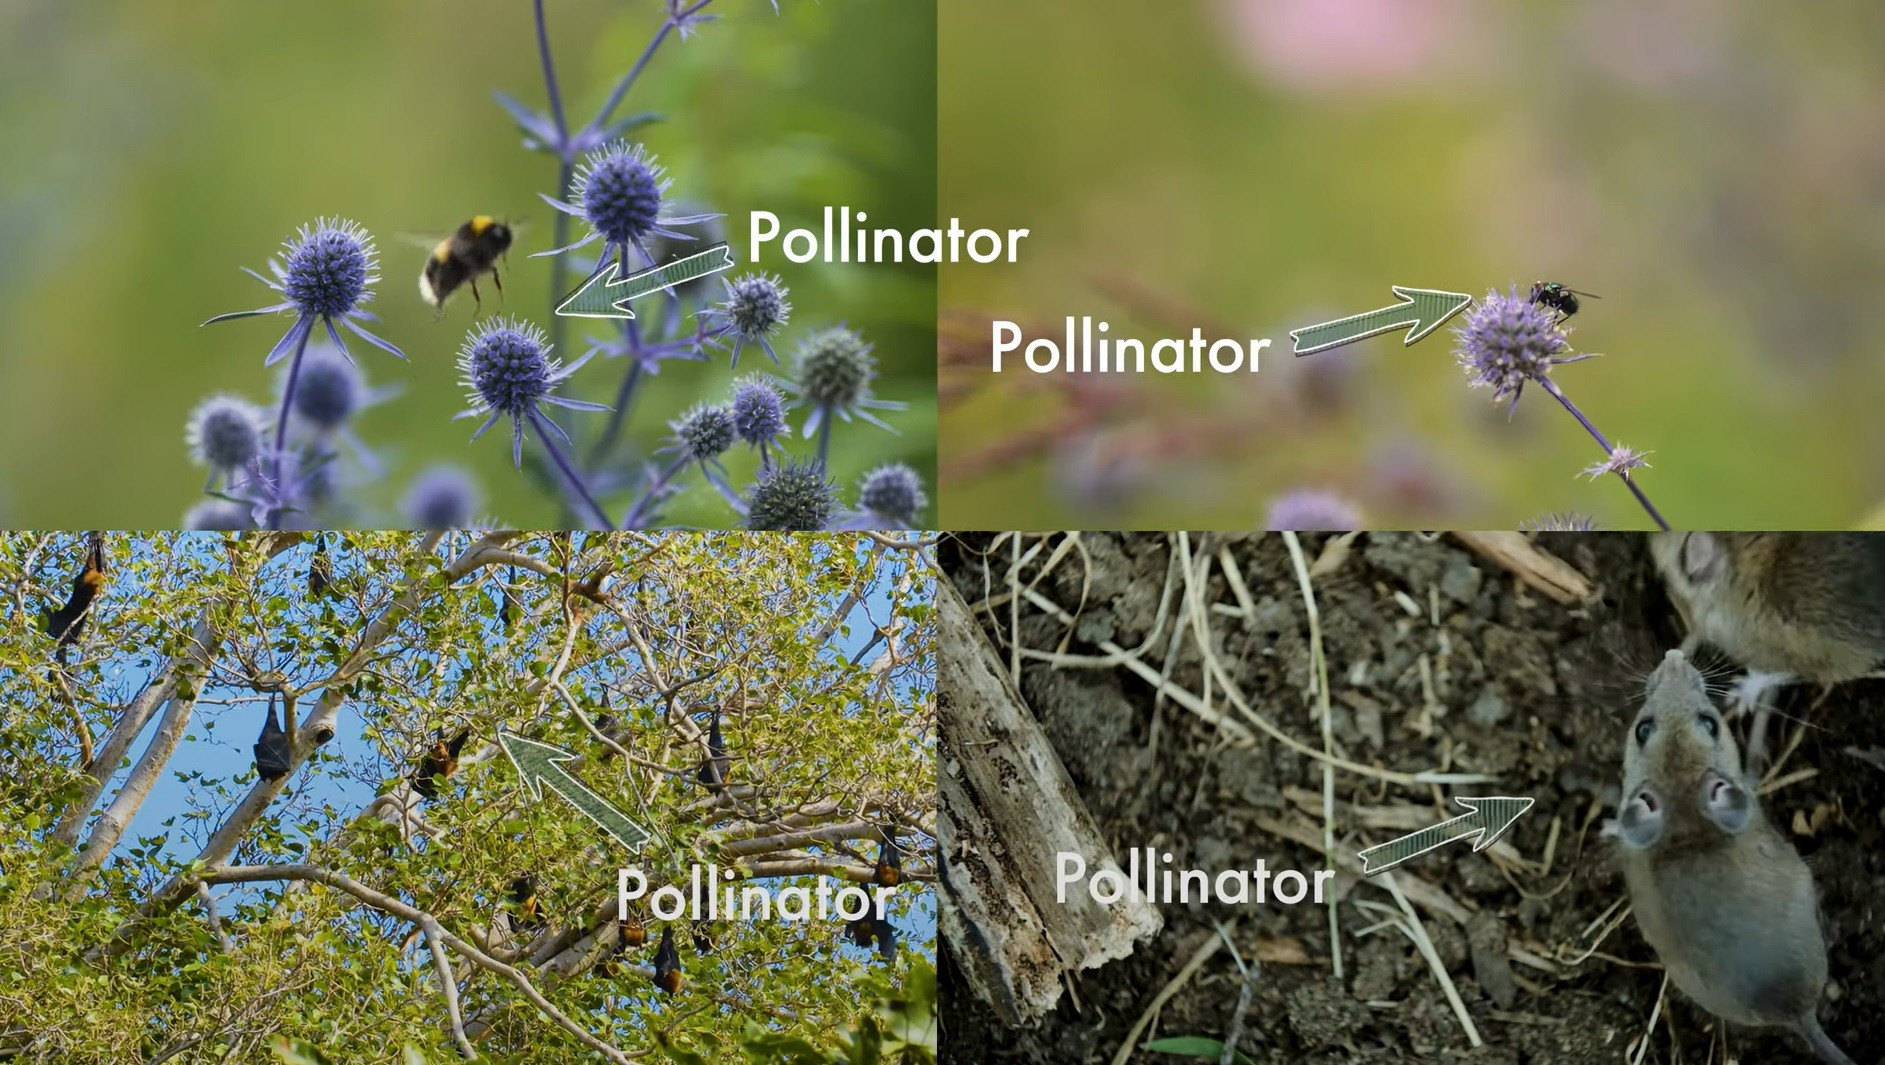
[{"x": 1722, "y": 897}]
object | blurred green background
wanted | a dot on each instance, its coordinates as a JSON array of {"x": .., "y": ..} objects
[
  {"x": 155, "y": 146},
  {"x": 1714, "y": 170}
]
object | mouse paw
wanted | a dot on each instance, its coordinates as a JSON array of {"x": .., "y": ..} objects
[{"x": 1754, "y": 691}]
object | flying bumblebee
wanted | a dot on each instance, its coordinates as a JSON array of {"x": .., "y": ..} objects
[
  {"x": 1558, "y": 297},
  {"x": 472, "y": 250}
]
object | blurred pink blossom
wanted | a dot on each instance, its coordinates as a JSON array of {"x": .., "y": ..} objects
[{"x": 1320, "y": 45}]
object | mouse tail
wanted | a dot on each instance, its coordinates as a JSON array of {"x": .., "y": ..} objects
[{"x": 1823, "y": 1045}]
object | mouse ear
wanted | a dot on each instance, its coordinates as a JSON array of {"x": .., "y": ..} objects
[
  {"x": 1726, "y": 803},
  {"x": 1640, "y": 823},
  {"x": 1701, "y": 556}
]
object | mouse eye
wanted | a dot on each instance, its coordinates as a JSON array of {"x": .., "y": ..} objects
[
  {"x": 1643, "y": 730},
  {"x": 1709, "y": 724}
]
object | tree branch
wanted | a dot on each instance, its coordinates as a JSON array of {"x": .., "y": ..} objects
[
  {"x": 449, "y": 985},
  {"x": 250, "y": 874}
]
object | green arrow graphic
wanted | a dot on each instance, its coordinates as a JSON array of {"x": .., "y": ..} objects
[
  {"x": 1420, "y": 309},
  {"x": 538, "y": 766},
  {"x": 605, "y": 294},
  {"x": 1489, "y": 819}
]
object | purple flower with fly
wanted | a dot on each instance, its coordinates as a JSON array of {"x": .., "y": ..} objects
[{"x": 1509, "y": 341}]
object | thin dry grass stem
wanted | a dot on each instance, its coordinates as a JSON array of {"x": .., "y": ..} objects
[
  {"x": 1418, "y": 933},
  {"x": 1191, "y": 702},
  {"x": 1641, "y": 1043},
  {"x": 1203, "y": 954},
  {"x": 1319, "y": 670},
  {"x": 1234, "y": 1031},
  {"x": 1772, "y": 785},
  {"x": 1234, "y": 576}
]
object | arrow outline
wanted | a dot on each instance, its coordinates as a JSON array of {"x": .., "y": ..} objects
[
  {"x": 536, "y": 782},
  {"x": 610, "y": 273},
  {"x": 1405, "y": 292},
  {"x": 1471, "y": 803}
]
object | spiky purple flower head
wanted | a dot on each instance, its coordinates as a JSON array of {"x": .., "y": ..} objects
[
  {"x": 893, "y": 492},
  {"x": 224, "y": 432},
  {"x": 332, "y": 389},
  {"x": 1312, "y": 510},
  {"x": 619, "y": 191},
  {"x": 1621, "y": 461},
  {"x": 755, "y": 308},
  {"x": 328, "y": 268},
  {"x": 325, "y": 275},
  {"x": 791, "y": 497},
  {"x": 442, "y": 497},
  {"x": 1508, "y": 340},
  {"x": 508, "y": 372},
  {"x": 758, "y": 411},
  {"x": 704, "y": 433},
  {"x": 834, "y": 374}
]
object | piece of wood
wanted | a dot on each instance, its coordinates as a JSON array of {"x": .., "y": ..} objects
[
  {"x": 1529, "y": 563},
  {"x": 1008, "y": 808}
]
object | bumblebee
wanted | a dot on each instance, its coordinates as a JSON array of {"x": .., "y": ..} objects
[
  {"x": 1559, "y": 298},
  {"x": 473, "y": 249}
]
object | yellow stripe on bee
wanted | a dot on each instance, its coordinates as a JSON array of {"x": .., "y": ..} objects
[
  {"x": 443, "y": 251},
  {"x": 480, "y": 223}
]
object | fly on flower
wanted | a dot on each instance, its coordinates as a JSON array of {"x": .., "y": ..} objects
[{"x": 1559, "y": 297}]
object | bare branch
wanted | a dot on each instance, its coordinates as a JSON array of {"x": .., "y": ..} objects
[
  {"x": 449, "y": 985},
  {"x": 251, "y": 874}
]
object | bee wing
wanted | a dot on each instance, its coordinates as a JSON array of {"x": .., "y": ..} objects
[{"x": 422, "y": 241}]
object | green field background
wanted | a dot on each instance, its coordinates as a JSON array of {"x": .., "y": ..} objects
[
  {"x": 155, "y": 146},
  {"x": 1715, "y": 171}
]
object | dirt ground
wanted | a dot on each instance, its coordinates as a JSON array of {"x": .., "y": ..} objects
[{"x": 1535, "y": 693}]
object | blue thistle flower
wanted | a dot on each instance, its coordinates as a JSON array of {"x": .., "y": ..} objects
[
  {"x": 509, "y": 372},
  {"x": 442, "y": 497},
  {"x": 894, "y": 493},
  {"x": 1621, "y": 461},
  {"x": 1312, "y": 510},
  {"x": 332, "y": 389},
  {"x": 703, "y": 434},
  {"x": 791, "y": 497},
  {"x": 224, "y": 433},
  {"x": 755, "y": 309},
  {"x": 758, "y": 412},
  {"x": 329, "y": 272},
  {"x": 1508, "y": 340},
  {"x": 619, "y": 192},
  {"x": 835, "y": 370},
  {"x": 217, "y": 515}
]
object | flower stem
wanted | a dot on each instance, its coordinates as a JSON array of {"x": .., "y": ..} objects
[
  {"x": 654, "y": 491},
  {"x": 621, "y": 87},
  {"x": 549, "y": 81},
  {"x": 824, "y": 438},
  {"x": 306, "y": 325},
  {"x": 1551, "y": 386},
  {"x": 544, "y": 433},
  {"x": 622, "y": 397},
  {"x": 559, "y": 238}
]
